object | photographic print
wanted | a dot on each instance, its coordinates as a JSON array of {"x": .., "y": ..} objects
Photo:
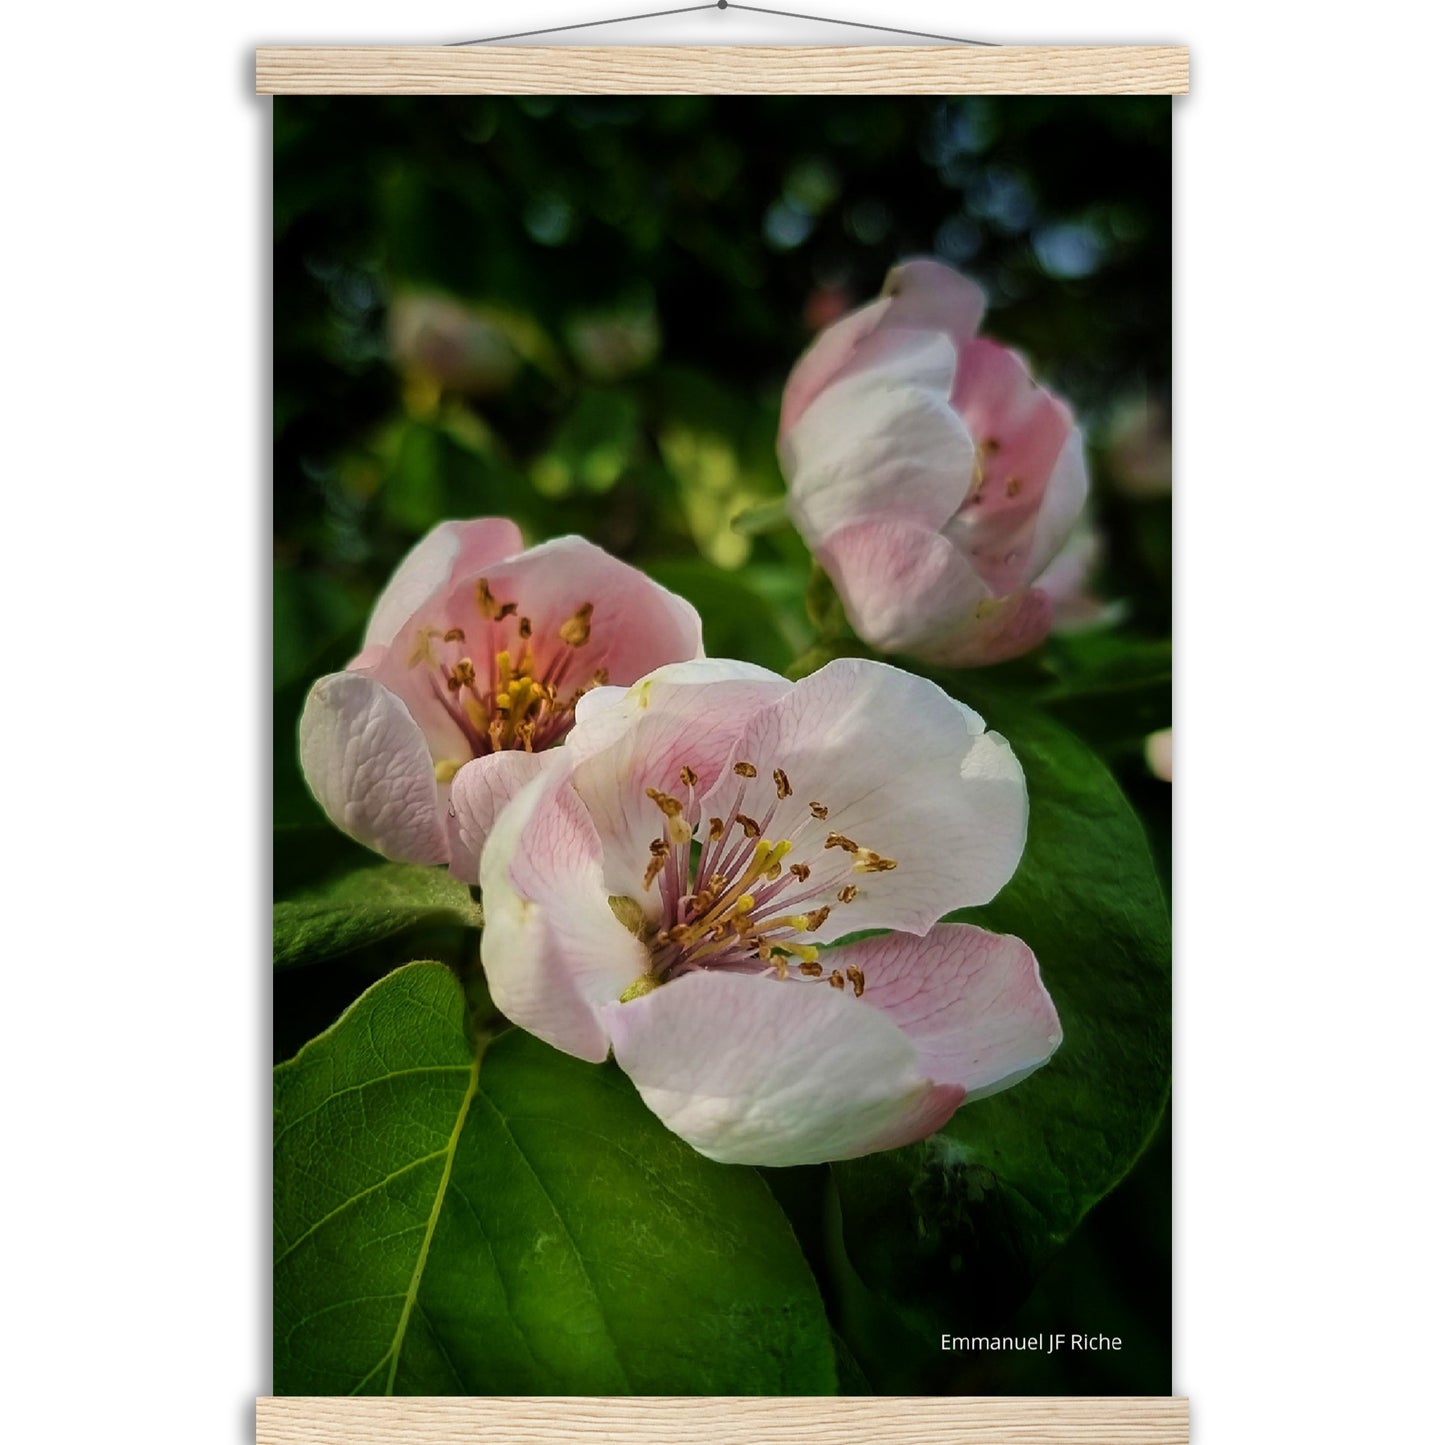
[{"x": 722, "y": 745}]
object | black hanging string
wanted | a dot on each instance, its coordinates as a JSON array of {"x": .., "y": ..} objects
[{"x": 722, "y": 5}]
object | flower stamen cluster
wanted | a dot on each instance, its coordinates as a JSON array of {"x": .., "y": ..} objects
[
  {"x": 516, "y": 704},
  {"x": 728, "y": 901}
]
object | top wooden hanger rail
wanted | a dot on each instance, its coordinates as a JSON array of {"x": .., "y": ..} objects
[{"x": 723, "y": 69}]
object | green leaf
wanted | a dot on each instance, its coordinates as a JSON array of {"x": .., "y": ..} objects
[
  {"x": 366, "y": 906},
  {"x": 737, "y": 620},
  {"x": 515, "y": 1221},
  {"x": 954, "y": 1230},
  {"x": 1111, "y": 689}
]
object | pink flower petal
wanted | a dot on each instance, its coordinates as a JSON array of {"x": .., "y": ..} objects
[
  {"x": 903, "y": 770},
  {"x": 636, "y": 625},
  {"x": 605, "y": 714},
  {"x": 919, "y": 295},
  {"x": 447, "y": 551},
  {"x": 971, "y": 1002},
  {"x": 367, "y": 763},
  {"x": 633, "y": 627},
  {"x": 479, "y": 792},
  {"x": 552, "y": 948},
  {"x": 925, "y": 294},
  {"x": 686, "y": 715},
  {"x": 1024, "y": 494},
  {"x": 831, "y": 352},
  {"x": 906, "y": 589},
  {"x": 750, "y": 1070},
  {"x": 882, "y": 441}
]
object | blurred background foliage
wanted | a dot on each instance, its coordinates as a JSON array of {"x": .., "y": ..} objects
[{"x": 579, "y": 312}]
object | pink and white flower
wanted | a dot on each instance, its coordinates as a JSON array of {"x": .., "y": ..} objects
[
  {"x": 666, "y": 890},
  {"x": 475, "y": 659},
  {"x": 929, "y": 474}
]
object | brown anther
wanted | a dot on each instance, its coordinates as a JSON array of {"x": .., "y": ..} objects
[
  {"x": 464, "y": 673},
  {"x": 678, "y": 932},
  {"x": 811, "y": 970},
  {"x": 781, "y": 783},
  {"x": 715, "y": 829},
  {"x": 717, "y": 884},
  {"x": 745, "y": 770},
  {"x": 491, "y": 609},
  {"x": 689, "y": 778},
  {"x": 578, "y": 627},
  {"x": 800, "y": 871},
  {"x": 719, "y": 931},
  {"x": 868, "y": 861},
  {"x": 599, "y": 678},
  {"x": 524, "y": 731},
  {"x": 855, "y": 977},
  {"x": 818, "y": 811},
  {"x": 749, "y": 827},
  {"x": 781, "y": 964},
  {"x": 455, "y": 634},
  {"x": 835, "y": 979},
  {"x": 816, "y": 918},
  {"x": 989, "y": 445},
  {"x": 524, "y": 628},
  {"x": 669, "y": 805},
  {"x": 837, "y": 840},
  {"x": 848, "y": 893},
  {"x": 701, "y": 902},
  {"x": 654, "y": 867},
  {"x": 659, "y": 848},
  {"x": 1012, "y": 486},
  {"x": 453, "y": 682}
]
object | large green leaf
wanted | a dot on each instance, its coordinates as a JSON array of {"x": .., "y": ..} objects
[
  {"x": 367, "y": 906},
  {"x": 954, "y": 1230},
  {"x": 516, "y": 1222}
]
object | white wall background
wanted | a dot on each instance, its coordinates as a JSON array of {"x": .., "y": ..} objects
[{"x": 135, "y": 533}]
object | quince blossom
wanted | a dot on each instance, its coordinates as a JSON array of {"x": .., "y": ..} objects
[
  {"x": 475, "y": 659},
  {"x": 666, "y": 890},
  {"x": 931, "y": 476}
]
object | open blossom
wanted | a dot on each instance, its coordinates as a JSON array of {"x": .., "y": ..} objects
[
  {"x": 930, "y": 475},
  {"x": 475, "y": 659},
  {"x": 666, "y": 888}
]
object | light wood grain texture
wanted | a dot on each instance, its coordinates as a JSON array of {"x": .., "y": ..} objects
[
  {"x": 723, "y": 1421},
  {"x": 722, "y": 69}
]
